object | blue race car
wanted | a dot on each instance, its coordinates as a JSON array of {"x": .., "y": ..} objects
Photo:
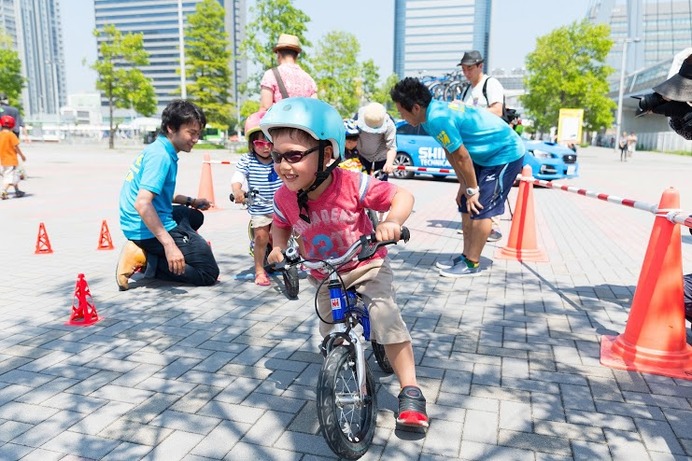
[{"x": 416, "y": 148}]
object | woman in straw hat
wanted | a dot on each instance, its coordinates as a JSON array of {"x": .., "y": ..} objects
[{"x": 288, "y": 79}]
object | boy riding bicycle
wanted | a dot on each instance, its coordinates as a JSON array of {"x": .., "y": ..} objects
[
  {"x": 327, "y": 207},
  {"x": 256, "y": 167}
]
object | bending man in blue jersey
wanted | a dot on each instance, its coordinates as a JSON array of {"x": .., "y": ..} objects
[
  {"x": 163, "y": 236},
  {"x": 486, "y": 155}
]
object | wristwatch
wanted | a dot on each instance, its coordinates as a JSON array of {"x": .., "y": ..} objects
[{"x": 471, "y": 191}]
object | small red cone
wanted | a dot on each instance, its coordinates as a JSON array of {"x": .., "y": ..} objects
[
  {"x": 654, "y": 340},
  {"x": 206, "y": 185},
  {"x": 522, "y": 243},
  {"x": 83, "y": 309},
  {"x": 105, "y": 241},
  {"x": 42, "y": 241}
]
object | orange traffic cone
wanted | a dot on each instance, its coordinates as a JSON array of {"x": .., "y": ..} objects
[
  {"x": 654, "y": 340},
  {"x": 83, "y": 309},
  {"x": 521, "y": 244},
  {"x": 206, "y": 186},
  {"x": 105, "y": 241},
  {"x": 42, "y": 241}
]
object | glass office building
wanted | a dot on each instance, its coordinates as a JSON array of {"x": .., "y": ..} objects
[
  {"x": 661, "y": 29},
  {"x": 158, "y": 21},
  {"x": 34, "y": 27},
  {"x": 430, "y": 36}
]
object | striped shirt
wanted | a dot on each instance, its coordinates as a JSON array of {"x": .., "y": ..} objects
[{"x": 262, "y": 177}]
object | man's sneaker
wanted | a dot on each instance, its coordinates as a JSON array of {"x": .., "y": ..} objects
[
  {"x": 461, "y": 270},
  {"x": 448, "y": 264},
  {"x": 19, "y": 194},
  {"x": 494, "y": 236},
  {"x": 412, "y": 408}
]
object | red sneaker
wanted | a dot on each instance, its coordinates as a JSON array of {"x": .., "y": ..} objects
[{"x": 412, "y": 408}]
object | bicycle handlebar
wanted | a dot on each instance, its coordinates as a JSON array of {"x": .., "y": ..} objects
[
  {"x": 252, "y": 197},
  {"x": 367, "y": 245}
]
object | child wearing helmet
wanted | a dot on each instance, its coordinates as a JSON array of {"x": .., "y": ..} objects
[
  {"x": 9, "y": 153},
  {"x": 327, "y": 207},
  {"x": 351, "y": 154},
  {"x": 257, "y": 169}
]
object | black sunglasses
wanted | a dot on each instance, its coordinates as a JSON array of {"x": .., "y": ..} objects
[{"x": 292, "y": 156}]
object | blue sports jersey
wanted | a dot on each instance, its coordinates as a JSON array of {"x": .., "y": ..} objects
[
  {"x": 155, "y": 170},
  {"x": 489, "y": 140}
]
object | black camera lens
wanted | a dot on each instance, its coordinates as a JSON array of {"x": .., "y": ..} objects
[{"x": 649, "y": 102}]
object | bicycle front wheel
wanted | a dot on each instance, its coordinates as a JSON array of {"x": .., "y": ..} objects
[{"x": 347, "y": 421}]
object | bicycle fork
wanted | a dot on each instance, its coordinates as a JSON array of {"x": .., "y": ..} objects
[{"x": 340, "y": 300}]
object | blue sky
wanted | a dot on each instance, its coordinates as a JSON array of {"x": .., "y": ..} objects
[{"x": 515, "y": 25}]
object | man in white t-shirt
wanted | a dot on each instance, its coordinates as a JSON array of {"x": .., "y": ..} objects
[
  {"x": 493, "y": 96},
  {"x": 483, "y": 91}
]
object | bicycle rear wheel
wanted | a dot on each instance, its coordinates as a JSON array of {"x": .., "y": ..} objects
[
  {"x": 292, "y": 282},
  {"x": 347, "y": 421},
  {"x": 381, "y": 357}
]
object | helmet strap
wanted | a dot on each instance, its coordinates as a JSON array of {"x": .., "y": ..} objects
[{"x": 320, "y": 177}]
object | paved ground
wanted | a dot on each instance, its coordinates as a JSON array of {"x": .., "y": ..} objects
[{"x": 509, "y": 361}]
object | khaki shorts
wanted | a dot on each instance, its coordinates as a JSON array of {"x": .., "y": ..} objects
[
  {"x": 10, "y": 175},
  {"x": 374, "y": 282},
  {"x": 261, "y": 220}
]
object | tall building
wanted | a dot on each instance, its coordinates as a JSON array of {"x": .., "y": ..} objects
[
  {"x": 158, "y": 21},
  {"x": 655, "y": 30},
  {"x": 430, "y": 36},
  {"x": 34, "y": 26}
]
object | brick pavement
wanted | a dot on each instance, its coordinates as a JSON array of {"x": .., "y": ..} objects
[{"x": 508, "y": 360}]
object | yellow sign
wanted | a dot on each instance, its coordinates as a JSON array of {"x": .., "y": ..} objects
[{"x": 569, "y": 125}]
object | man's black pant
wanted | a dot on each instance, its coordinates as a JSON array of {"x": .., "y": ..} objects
[{"x": 200, "y": 266}]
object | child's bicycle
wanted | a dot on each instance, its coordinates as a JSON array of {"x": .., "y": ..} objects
[
  {"x": 290, "y": 275},
  {"x": 346, "y": 396}
]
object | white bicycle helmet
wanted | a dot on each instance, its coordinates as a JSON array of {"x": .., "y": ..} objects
[{"x": 351, "y": 128}]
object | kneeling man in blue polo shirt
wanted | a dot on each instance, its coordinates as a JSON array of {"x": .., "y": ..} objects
[{"x": 160, "y": 235}]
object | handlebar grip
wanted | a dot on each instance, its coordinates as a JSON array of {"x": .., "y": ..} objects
[{"x": 405, "y": 234}]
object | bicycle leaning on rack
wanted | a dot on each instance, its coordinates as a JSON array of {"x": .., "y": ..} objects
[
  {"x": 346, "y": 396},
  {"x": 290, "y": 275}
]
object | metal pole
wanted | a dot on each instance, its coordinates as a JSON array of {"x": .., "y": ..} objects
[
  {"x": 621, "y": 91},
  {"x": 181, "y": 45}
]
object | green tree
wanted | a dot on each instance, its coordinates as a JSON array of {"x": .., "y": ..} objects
[
  {"x": 381, "y": 95},
  {"x": 271, "y": 19},
  {"x": 339, "y": 81},
  {"x": 567, "y": 70},
  {"x": 119, "y": 77},
  {"x": 207, "y": 63},
  {"x": 371, "y": 77},
  {"x": 11, "y": 80},
  {"x": 248, "y": 108}
]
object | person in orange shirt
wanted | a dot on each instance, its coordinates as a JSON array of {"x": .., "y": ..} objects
[{"x": 9, "y": 151}]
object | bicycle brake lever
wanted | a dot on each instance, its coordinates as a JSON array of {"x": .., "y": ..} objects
[{"x": 368, "y": 246}]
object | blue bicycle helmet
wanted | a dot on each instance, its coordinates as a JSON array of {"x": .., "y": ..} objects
[
  {"x": 315, "y": 117},
  {"x": 351, "y": 128}
]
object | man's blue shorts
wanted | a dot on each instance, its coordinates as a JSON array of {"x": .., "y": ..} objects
[{"x": 495, "y": 182}]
